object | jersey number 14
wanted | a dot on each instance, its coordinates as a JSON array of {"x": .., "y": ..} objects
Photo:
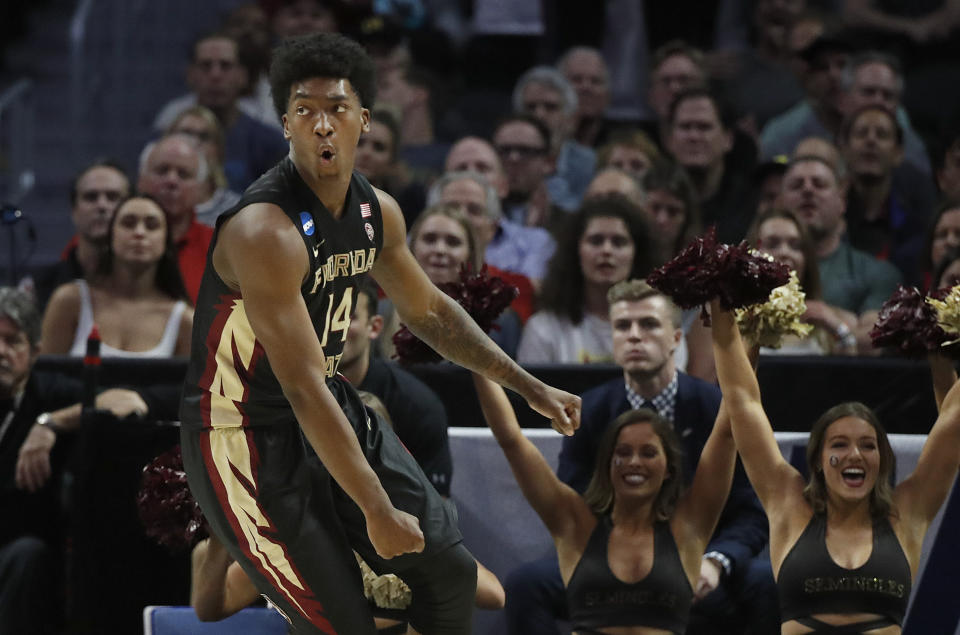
[{"x": 338, "y": 320}]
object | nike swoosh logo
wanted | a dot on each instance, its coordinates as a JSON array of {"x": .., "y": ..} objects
[{"x": 316, "y": 249}]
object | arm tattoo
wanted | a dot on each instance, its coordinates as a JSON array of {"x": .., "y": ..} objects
[{"x": 449, "y": 330}]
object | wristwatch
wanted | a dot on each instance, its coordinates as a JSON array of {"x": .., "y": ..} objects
[
  {"x": 845, "y": 336},
  {"x": 44, "y": 419}
]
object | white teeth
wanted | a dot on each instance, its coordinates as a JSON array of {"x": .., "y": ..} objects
[
  {"x": 854, "y": 471},
  {"x": 635, "y": 479}
]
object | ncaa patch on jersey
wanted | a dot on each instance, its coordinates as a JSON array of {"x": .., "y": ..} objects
[
  {"x": 306, "y": 220},
  {"x": 369, "y": 228}
]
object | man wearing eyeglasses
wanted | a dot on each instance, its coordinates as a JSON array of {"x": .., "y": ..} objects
[
  {"x": 523, "y": 144},
  {"x": 545, "y": 93}
]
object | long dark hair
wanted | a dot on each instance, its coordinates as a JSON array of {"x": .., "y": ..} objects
[
  {"x": 168, "y": 279},
  {"x": 810, "y": 277},
  {"x": 951, "y": 255},
  {"x": 945, "y": 205},
  {"x": 670, "y": 177},
  {"x": 881, "y": 498},
  {"x": 599, "y": 494},
  {"x": 451, "y": 211},
  {"x": 563, "y": 291}
]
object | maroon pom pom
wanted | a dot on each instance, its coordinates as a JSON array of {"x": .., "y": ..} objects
[
  {"x": 482, "y": 296},
  {"x": 706, "y": 269},
  {"x": 908, "y": 324},
  {"x": 168, "y": 511}
]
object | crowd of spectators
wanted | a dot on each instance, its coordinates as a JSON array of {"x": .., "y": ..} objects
[{"x": 569, "y": 148}]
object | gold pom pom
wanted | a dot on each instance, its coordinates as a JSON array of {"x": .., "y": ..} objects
[
  {"x": 387, "y": 591},
  {"x": 766, "y": 324},
  {"x": 948, "y": 313}
]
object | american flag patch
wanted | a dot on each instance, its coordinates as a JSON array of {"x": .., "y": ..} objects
[{"x": 365, "y": 210}]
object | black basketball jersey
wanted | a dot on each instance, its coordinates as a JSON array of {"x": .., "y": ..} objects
[{"x": 229, "y": 380}]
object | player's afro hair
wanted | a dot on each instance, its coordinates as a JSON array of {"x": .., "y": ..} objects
[{"x": 320, "y": 55}]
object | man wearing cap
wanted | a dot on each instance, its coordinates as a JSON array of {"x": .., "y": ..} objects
[{"x": 821, "y": 111}]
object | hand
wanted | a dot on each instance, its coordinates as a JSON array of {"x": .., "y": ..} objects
[
  {"x": 33, "y": 461},
  {"x": 394, "y": 533},
  {"x": 215, "y": 548},
  {"x": 212, "y": 552},
  {"x": 561, "y": 408},
  {"x": 820, "y": 314},
  {"x": 709, "y": 578},
  {"x": 122, "y": 402}
]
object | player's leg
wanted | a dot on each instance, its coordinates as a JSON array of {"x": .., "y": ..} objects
[{"x": 272, "y": 509}]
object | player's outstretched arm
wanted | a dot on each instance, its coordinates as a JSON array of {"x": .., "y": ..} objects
[
  {"x": 261, "y": 253},
  {"x": 440, "y": 322}
]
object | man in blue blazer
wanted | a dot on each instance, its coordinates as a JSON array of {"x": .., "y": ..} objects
[{"x": 736, "y": 586}]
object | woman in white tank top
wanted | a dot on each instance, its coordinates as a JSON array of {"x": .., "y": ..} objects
[{"x": 136, "y": 299}]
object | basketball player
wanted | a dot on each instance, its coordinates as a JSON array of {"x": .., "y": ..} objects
[{"x": 270, "y": 322}]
